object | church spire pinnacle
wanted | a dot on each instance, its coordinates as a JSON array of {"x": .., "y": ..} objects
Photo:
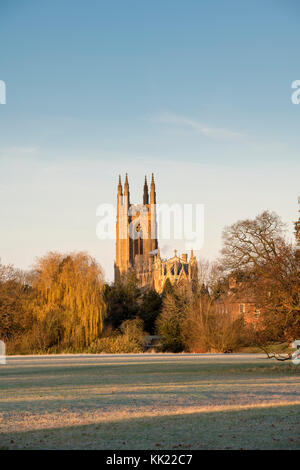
[
  {"x": 126, "y": 185},
  {"x": 120, "y": 186},
  {"x": 146, "y": 193},
  {"x": 152, "y": 191},
  {"x": 126, "y": 189}
]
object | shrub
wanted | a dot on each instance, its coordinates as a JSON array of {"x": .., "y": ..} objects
[
  {"x": 120, "y": 344},
  {"x": 192, "y": 323},
  {"x": 133, "y": 330}
]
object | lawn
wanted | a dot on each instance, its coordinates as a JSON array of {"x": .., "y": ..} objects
[{"x": 148, "y": 401}]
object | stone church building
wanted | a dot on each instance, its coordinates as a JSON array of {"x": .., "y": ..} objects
[{"x": 137, "y": 245}]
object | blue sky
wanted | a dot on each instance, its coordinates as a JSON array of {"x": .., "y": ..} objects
[{"x": 197, "y": 91}]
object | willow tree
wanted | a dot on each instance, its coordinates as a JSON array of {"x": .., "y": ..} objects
[{"x": 70, "y": 288}]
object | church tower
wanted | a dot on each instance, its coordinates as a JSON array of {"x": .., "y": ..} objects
[
  {"x": 137, "y": 245},
  {"x": 136, "y": 232}
]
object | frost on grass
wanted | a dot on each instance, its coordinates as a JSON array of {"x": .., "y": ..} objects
[{"x": 149, "y": 402}]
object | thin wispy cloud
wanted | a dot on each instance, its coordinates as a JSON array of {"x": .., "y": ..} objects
[
  {"x": 187, "y": 122},
  {"x": 18, "y": 151}
]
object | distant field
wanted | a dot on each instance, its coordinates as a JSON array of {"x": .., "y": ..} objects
[{"x": 149, "y": 402}]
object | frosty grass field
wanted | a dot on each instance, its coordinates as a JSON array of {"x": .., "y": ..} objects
[{"x": 160, "y": 401}]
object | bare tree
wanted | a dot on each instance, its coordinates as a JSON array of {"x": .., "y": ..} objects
[
  {"x": 251, "y": 243},
  {"x": 257, "y": 251}
]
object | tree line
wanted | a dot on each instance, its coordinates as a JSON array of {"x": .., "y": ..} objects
[{"x": 64, "y": 305}]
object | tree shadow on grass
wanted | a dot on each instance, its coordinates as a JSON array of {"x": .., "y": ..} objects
[
  {"x": 115, "y": 374},
  {"x": 268, "y": 427}
]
